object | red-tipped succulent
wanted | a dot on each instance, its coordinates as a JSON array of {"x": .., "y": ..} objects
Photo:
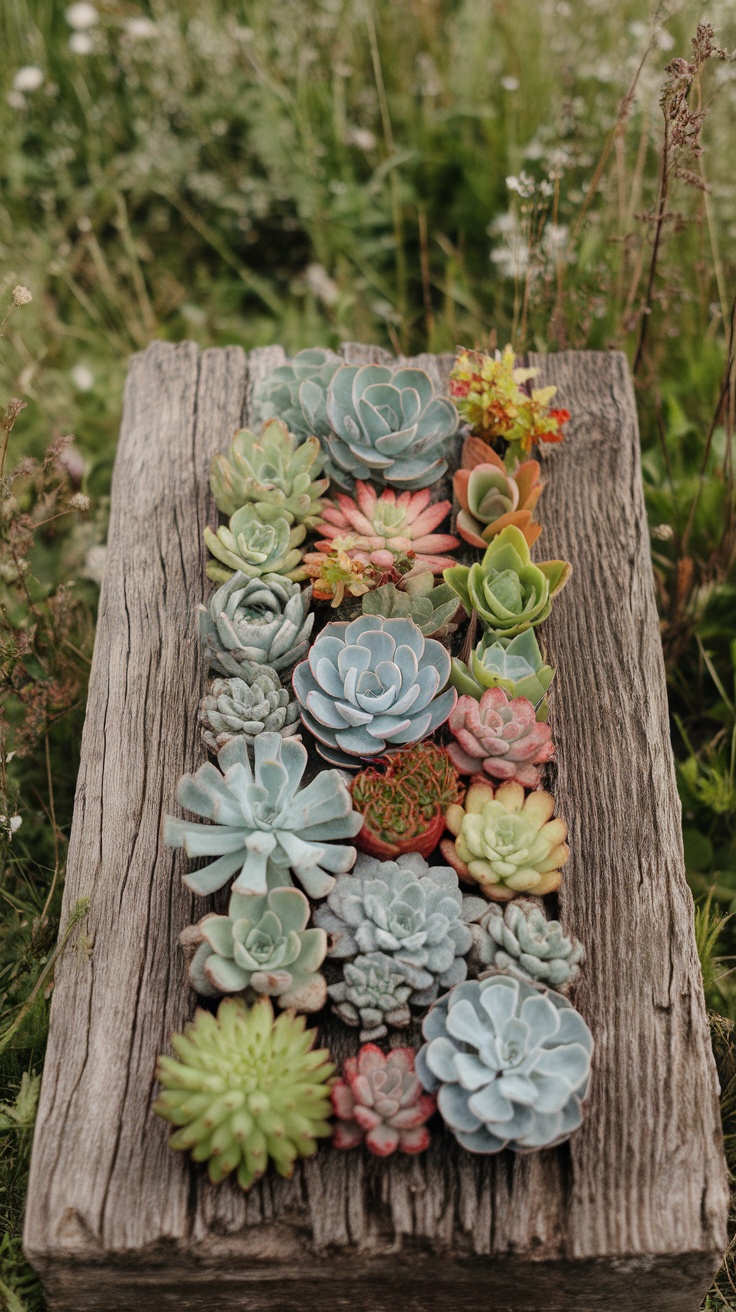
[
  {"x": 500, "y": 736},
  {"x": 381, "y": 529},
  {"x": 380, "y": 1102},
  {"x": 403, "y": 805},
  {"x": 491, "y": 498}
]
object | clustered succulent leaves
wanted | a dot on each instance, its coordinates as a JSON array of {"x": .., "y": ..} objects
[
  {"x": 509, "y": 1063},
  {"x": 506, "y": 1059},
  {"x": 249, "y": 623},
  {"x": 380, "y": 1102},
  {"x": 266, "y": 826},
  {"x": 245, "y": 1089},
  {"x": 245, "y": 707}
]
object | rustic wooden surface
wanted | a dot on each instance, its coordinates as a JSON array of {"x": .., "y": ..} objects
[{"x": 632, "y": 1210}]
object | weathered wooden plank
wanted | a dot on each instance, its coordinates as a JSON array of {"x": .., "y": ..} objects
[{"x": 639, "y": 1194}]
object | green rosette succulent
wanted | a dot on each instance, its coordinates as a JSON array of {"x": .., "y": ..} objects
[
  {"x": 263, "y": 945},
  {"x": 249, "y": 623},
  {"x": 387, "y": 423},
  {"x": 245, "y": 1090},
  {"x": 433, "y": 607},
  {"x": 265, "y": 825},
  {"x": 271, "y": 469},
  {"x": 514, "y": 664},
  {"x": 506, "y": 841},
  {"x": 296, "y": 393},
  {"x": 256, "y": 542},
  {"x": 373, "y": 994},
  {"x": 518, "y": 939},
  {"x": 245, "y": 707},
  {"x": 508, "y": 591}
]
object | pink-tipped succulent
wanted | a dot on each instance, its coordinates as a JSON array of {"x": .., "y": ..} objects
[
  {"x": 380, "y": 1102},
  {"x": 379, "y": 529},
  {"x": 500, "y": 736}
]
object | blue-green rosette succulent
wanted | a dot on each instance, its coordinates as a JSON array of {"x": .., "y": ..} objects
[
  {"x": 296, "y": 393},
  {"x": 510, "y": 1063}
]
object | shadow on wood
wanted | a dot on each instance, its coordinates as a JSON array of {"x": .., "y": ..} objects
[{"x": 633, "y": 1209}]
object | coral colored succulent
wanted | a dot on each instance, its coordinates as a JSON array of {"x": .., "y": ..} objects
[
  {"x": 370, "y": 685},
  {"x": 256, "y": 541},
  {"x": 296, "y": 393},
  {"x": 403, "y": 805},
  {"x": 372, "y": 993},
  {"x": 386, "y": 527},
  {"x": 506, "y": 842},
  {"x": 495, "y": 397},
  {"x": 501, "y": 737},
  {"x": 337, "y": 575},
  {"x": 519, "y": 940},
  {"x": 245, "y": 1090},
  {"x": 434, "y": 607},
  {"x": 265, "y": 824},
  {"x": 514, "y": 664},
  {"x": 380, "y": 1102},
  {"x": 246, "y": 707},
  {"x": 387, "y": 423},
  {"x": 491, "y": 499},
  {"x": 271, "y": 469},
  {"x": 509, "y": 1062},
  {"x": 249, "y": 623},
  {"x": 506, "y": 588}
]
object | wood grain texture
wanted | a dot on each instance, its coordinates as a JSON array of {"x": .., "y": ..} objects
[{"x": 639, "y": 1194}]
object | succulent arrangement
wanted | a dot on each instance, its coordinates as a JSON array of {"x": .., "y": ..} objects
[
  {"x": 380, "y": 1102},
  {"x": 345, "y": 890}
]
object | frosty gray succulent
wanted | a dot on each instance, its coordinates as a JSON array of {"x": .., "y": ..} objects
[
  {"x": 262, "y": 944},
  {"x": 374, "y": 994},
  {"x": 510, "y": 1063},
  {"x": 387, "y": 423},
  {"x": 249, "y": 623},
  {"x": 296, "y": 393},
  {"x": 245, "y": 707},
  {"x": 408, "y": 910},
  {"x": 265, "y": 824},
  {"x": 371, "y": 685},
  {"x": 519, "y": 939}
]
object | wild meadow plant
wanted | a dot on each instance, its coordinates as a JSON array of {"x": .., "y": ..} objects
[{"x": 419, "y": 173}]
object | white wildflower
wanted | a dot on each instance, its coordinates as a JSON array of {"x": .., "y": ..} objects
[
  {"x": 79, "y": 501},
  {"x": 29, "y": 78},
  {"x": 21, "y": 295},
  {"x": 363, "y": 138},
  {"x": 80, "y": 16},
  {"x": 11, "y": 824},
  {"x": 94, "y": 564},
  {"x": 82, "y": 377},
  {"x": 81, "y": 43},
  {"x": 16, "y": 100},
  {"x": 141, "y": 28},
  {"x": 321, "y": 284},
  {"x": 510, "y": 83}
]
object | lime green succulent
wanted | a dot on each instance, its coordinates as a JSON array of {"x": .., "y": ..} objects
[
  {"x": 256, "y": 542},
  {"x": 514, "y": 664},
  {"x": 245, "y": 1089},
  {"x": 508, "y": 591},
  {"x": 271, "y": 470}
]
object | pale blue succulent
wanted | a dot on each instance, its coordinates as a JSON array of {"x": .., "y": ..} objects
[
  {"x": 252, "y": 622},
  {"x": 409, "y": 911},
  {"x": 510, "y": 1063},
  {"x": 266, "y": 826},
  {"x": 387, "y": 423},
  {"x": 372, "y": 685},
  {"x": 519, "y": 939},
  {"x": 374, "y": 994},
  {"x": 262, "y": 944},
  {"x": 296, "y": 393}
]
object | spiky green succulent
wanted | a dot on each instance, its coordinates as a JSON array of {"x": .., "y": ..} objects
[
  {"x": 244, "y": 707},
  {"x": 296, "y": 393},
  {"x": 256, "y": 541},
  {"x": 262, "y": 944},
  {"x": 514, "y": 664},
  {"x": 245, "y": 1089},
  {"x": 507, "y": 590},
  {"x": 271, "y": 469},
  {"x": 249, "y": 623}
]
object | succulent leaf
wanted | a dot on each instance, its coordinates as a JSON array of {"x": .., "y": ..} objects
[
  {"x": 492, "y": 498},
  {"x": 506, "y": 589},
  {"x": 514, "y": 664},
  {"x": 249, "y": 623},
  {"x": 296, "y": 393},
  {"x": 372, "y": 993},
  {"x": 519, "y": 940},
  {"x": 501, "y": 737},
  {"x": 506, "y": 842},
  {"x": 381, "y": 530},
  {"x": 258, "y": 540},
  {"x": 271, "y": 469},
  {"x": 256, "y": 703},
  {"x": 380, "y": 1102}
]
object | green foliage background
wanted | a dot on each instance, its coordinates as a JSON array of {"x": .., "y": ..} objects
[{"x": 419, "y": 173}]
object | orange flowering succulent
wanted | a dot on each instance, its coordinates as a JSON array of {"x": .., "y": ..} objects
[
  {"x": 496, "y": 398},
  {"x": 491, "y": 499}
]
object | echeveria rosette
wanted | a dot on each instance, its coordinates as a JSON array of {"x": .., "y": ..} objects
[
  {"x": 296, "y": 393},
  {"x": 500, "y": 736},
  {"x": 433, "y": 607},
  {"x": 257, "y": 541},
  {"x": 266, "y": 826},
  {"x": 370, "y": 685},
  {"x": 269, "y": 469},
  {"x": 262, "y": 944},
  {"x": 509, "y": 1063},
  {"x": 508, "y": 591},
  {"x": 245, "y": 1090},
  {"x": 407, "y": 910},
  {"x": 387, "y": 424},
  {"x": 379, "y": 530},
  {"x": 373, "y": 993},
  {"x": 380, "y": 1102},
  {"x": 506, "y": 842},
  {"x": 252, "y": 622},
  {"x": 491, "y": 498},
  {"x": 517, "y": 939},
  {"x": 245, "y": 707},
  {"x": 514, "y": 664}
]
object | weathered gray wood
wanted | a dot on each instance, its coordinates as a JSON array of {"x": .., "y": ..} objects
[{"x": 637, "y": 1200}]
